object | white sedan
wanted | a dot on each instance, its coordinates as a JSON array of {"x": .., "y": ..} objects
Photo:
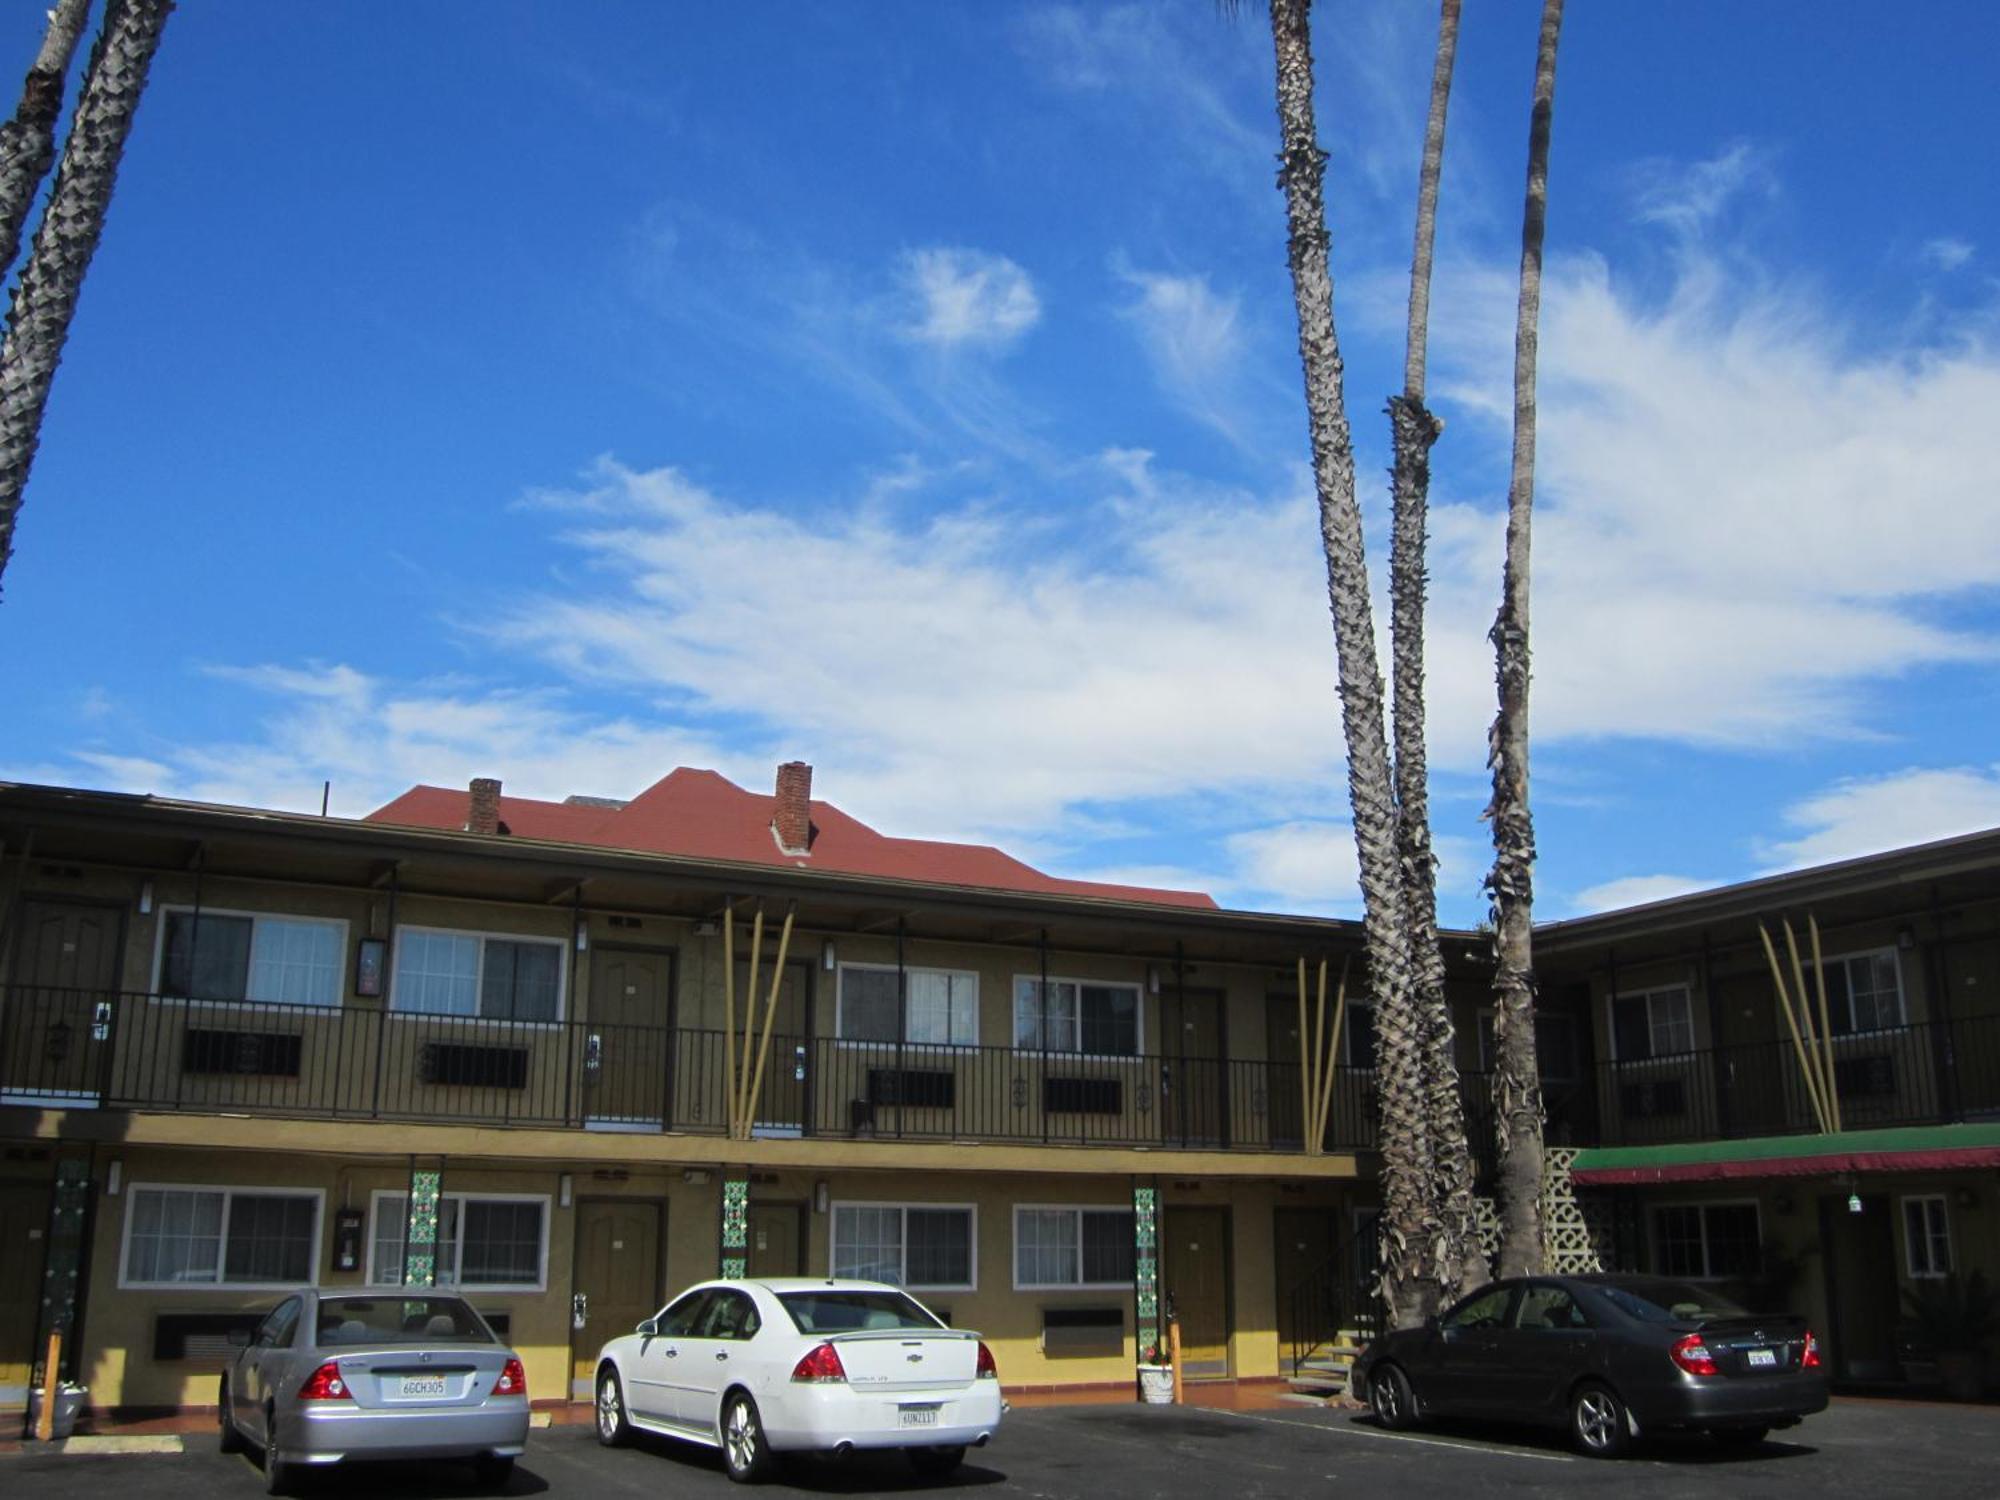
[{"x": 760, "y": 1368}]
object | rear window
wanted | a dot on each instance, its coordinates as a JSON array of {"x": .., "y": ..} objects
[
  {"x": 1668, "y": 1301},
  {"x": 849, "y": 1312},
  {"x": 399, "y": 1320}
]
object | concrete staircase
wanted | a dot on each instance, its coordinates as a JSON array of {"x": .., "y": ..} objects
[{"x": 1324, "y": 1371}]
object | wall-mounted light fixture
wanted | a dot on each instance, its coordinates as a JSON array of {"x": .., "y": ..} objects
[
  {"x": 146, "y": 898},
  {"x": 695, "y": 1176},
  {"x": 706, "y": 928},
  {"x": 828, "y": 957},
  {"x": 114, "y": 1179},
  {"x": 1854, "y": 1203},
  {"x": 1152, "y": 979},
  {"x": 1906, "y": 937},
  {"x": 1965, "y": 1197},
  {"x": 582, "y": 938},
  {"x": 822, "y": 1195},
  {"x": 565, "y": 1186}
]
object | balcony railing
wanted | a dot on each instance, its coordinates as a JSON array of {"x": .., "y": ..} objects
[{"x": 83, "y": 1049}]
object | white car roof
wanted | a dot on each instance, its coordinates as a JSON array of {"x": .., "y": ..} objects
[{"x": 809, "y": 1284}]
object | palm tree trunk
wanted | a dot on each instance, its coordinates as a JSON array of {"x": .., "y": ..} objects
[
  {"x": 1517, "y": 1092},
  {"x": 1457, "y": 1263},
  {"x": 1408, "y": 1224},
  {"x": 45, "y": 300},
  {"x": 28, "y": 141}
]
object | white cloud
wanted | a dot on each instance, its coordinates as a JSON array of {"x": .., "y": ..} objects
[
  {"x": 1304, "y": 864},
  {"x": 1193, "y": 337},
  {"x": 1868, "y": 815},
  {"x": 1948, "y": 252},
  {"x": 961, "y": 297},
  {"x": 1637, "y": 890}
]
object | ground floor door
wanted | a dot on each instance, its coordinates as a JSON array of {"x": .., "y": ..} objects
[
  {"x": 1195, "y": 1265},
  {"x": 57, "y": 1015},
  {"x": 1198, "y": 1077},
  {"x": 1861, "y": 1288},
  {"x": 617, "y": 1280},
  {"x": 777, "y": 1239},
  {"x": 628, "y": 1059},
  {"x": 24, "y": 1239},
  {"x": 1307, "y": 1284}
]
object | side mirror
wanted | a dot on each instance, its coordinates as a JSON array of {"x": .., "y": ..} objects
[
  {"x": 239, "y": 1338},
  {"x": 648, "y": 1329}
]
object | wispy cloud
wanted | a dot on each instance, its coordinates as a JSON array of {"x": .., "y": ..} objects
[
  {"x": 1636, "y": 890},
  {"x": 966, "y": 297},
  {"x": 1948, "y": 252},
  {"x": 1867, "y": 815},
  {"x": 1193, "y": 336}
]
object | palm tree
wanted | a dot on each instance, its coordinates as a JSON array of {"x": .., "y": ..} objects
[
  {"x": 1458, "y": 1264},
  {"x": 1409, "y": 1226},
  {"x": 45, "y": 300},
  {"x": 1517, "y": 1093},
  {"x": 28, "y": 141}
]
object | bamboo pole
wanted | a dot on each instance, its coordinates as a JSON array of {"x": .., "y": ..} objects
[
  {"x": 1319, "y": 1064},
  {"x": 1306, "y": 1067},
  {"x": 741, "y": 1083},
  {"x": 1333, "y": 1045},
  {"x": 45, "y": 1420},
  {"x": 1811, "y": 1030},
  {"x": 729, "y": 1006},
  {"x": 1791, "y": 1021},
  {"x": 1825, "y": 1024},
  {"x": 770, "y": 1014}
]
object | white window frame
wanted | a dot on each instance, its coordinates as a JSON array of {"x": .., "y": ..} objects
[
  {"x": 157, "y": 990},
  {"x": 229, "y": 1193},
  {"x": 376, "y": 1282},
  {"x": 1648, "y": 994},
  {"x": 1078, "y": 1210},
  {"x": 1902, "y": 1000},
  {"x": 1139, "y": 1023},
  {"x": 1929, "y": 1271},
  {"x": 1707, "y": 1256},
  {"x": 841, "y": 1039},
  {"x": 561, "y": 945},
  {"x": 904, "y": 1206},
  {"x": 1483, "y": 1024}
]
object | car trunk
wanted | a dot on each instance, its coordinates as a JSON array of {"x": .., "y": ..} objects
[
  {"x": 391, "y": 1378},
  {"x": 1754, "y": 1346},
  {"x": 904, "y": 1359}
]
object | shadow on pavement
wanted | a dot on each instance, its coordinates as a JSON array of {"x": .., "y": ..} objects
[{"x": 1694, "y": 1449}]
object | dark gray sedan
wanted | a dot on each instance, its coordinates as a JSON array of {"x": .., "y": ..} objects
[
  {"x": 1606, "y": 1356},
  {"x": 375, "y": 1375}
]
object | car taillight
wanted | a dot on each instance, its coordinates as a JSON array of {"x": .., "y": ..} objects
[
  {"x": 821, "y": 1363},
  {"x": 1810, "y": 1359},
  {"x": 325, "y": 1384},
  {"x": 1692, "y": 1355},
  {"x": 985, "y": 1369},
  {"x": 513, "y": 1380}
]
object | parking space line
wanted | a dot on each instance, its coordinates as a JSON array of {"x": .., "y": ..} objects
[{"x": 1401, "y": 1437}]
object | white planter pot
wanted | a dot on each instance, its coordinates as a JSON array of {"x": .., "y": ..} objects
[{"x": 1156, "y": 1384}]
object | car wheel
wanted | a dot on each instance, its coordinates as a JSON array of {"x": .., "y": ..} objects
[
  {"x": 1597, "y": 1421},
  {"x": 277, "y": 1472},
  {"x": 1390, "y": 1395},
  {"x": 227, "y": 1438},
  {"x": 1740, "y": 1437},
  {"x": 492, "y": 1471},
  {"x": 745, "y": 1450},
  {"x": 612, "y": 1429},
  {"x": 936, "y": 1463}
]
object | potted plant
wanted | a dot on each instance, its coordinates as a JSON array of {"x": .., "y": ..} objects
[
  {"x": 1955, "y": 1320},
  {"x": 1156, "y": 1376}
]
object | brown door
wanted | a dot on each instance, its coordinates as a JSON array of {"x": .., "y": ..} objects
[
  {"x": 24, "y": 1240},
  {"x": 617, "y": 1282},
  {"x": 777, "y": 1235},
  {"x": 628, "y": 1045},
  {"x": 1196, "y": 1267},
  {"x": 1308, "y": 1285},
  {"x": 56, "y": 1025},
  {"x": 1197, "y": 1104},
  {"x": 1861, "y": 1290},
  {"x": 1287, "y": 1054},
  {"x": 781, "y": 1100}
]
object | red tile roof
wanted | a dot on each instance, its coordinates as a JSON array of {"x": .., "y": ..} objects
[{"x": 702, "y": 815}]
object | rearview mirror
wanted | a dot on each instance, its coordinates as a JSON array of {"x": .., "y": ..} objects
[{"x": 648, "y": 1329}]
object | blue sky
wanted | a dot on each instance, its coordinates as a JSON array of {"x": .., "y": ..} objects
[{"x": 566, "y": 394}]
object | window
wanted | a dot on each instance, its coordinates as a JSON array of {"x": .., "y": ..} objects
[
  {"x": 465, "y": 974},
  {"x": 1706, "y": 1241},
  {"x": 1548, "y": 1309},
  {"x": 942, "y": 1008},
  {"x": 1555, "y": 1046},
  {"x": 1652, "y": 1023},
  {"x": 1079, "y": 1247},
  {"x": 251, "y": 1237},
  {"x": 1077, "y": 1015},
  {"x": 1864, "y": 992},
  {"x": 215, "y": 955},
  {"x": 1926, "y": 1236},
  {"x": 1486, "y": 1309},
  {"x": 495, "y": 1243},
  {"x": 911, "y": 1245}
]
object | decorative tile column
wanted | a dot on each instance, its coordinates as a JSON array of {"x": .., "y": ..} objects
[
  {"x": 735, "y": 1225},
  {"x": 1146, "y": 1268},
  {"x": 420, "y": 1227},
  {"x": 63, "y": 1261}
]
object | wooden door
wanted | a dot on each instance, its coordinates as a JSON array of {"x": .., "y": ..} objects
[
  {"x": 777, "y": 1239},
  {"x": 1196, "y": 1268},
  {"x": 1861, "y": 1288},
  {"x": 1308, "y": 1288},
  {"x": 56, "y": 1024},
  {"x": 617, "y": 1277},
  {"x": 1198, "y": 1103},
  {"x": 24, "y": 1241},
  {"x": 628, "y": 1047},
  {"x": 1282, "y": 1083},
  {"x": 782, "y": 1099}
]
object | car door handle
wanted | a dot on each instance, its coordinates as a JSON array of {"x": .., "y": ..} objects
[{"x": 722, "y": 1354}]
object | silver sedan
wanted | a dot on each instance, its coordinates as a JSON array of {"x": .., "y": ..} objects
[{"x": 374, "y": 1375}]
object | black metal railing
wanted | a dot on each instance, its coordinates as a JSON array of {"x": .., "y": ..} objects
[{"x": 1341, "y": 1292}]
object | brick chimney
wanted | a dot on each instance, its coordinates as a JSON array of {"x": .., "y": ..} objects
[
  {"x": 791, "y": 817},
  {"x": 483, "y": 811}
]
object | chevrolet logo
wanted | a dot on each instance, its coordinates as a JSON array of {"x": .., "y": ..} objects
[{"x": 915, "y": 1359}]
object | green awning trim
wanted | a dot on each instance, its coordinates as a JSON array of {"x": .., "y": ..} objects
[{"x": 1686, "y": 1158}]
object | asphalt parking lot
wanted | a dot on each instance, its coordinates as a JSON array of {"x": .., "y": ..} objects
[{"x": 1127, "y": 1452}]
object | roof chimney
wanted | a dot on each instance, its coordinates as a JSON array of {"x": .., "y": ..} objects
[
  {"x": 791, "y": 818},
  {"x": 483, "y": 811}
]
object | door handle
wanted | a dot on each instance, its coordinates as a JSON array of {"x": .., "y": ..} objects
[
  {"x": 579, "y": 1310},
  {"x": 722, "y": 1354},
  {"x": 673, "y": 1353}
]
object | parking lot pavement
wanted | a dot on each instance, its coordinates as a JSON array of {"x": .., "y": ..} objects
[{"x": 1129, "y": 1452}]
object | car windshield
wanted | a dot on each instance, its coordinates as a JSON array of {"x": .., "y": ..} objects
[
  {"x": 399, "y": 1320},
  {"x": 847, "y": 1312},
  {"x": 1668, "y": 1301}
]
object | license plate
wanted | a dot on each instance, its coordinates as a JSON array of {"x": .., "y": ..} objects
[
  {"x": 919, "y": 1416},
  {"x": 1763, "y": 1358},
  {"x": 421, "y": 1385}
]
